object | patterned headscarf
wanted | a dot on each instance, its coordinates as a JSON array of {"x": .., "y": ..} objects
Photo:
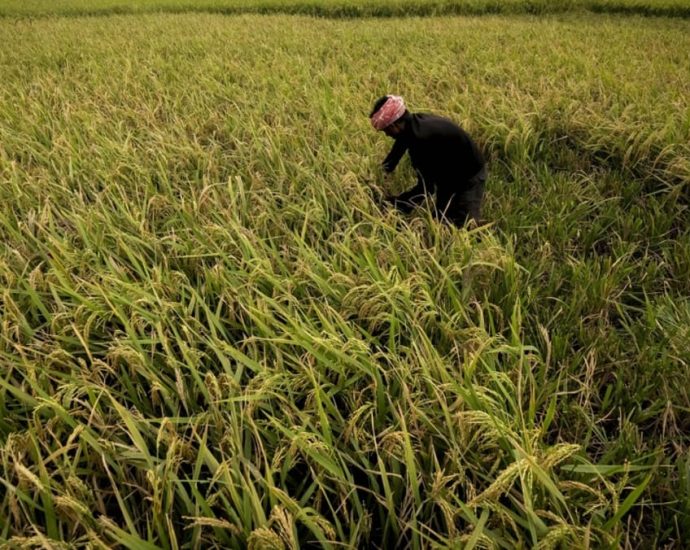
[{"x": 390, "y": 111}]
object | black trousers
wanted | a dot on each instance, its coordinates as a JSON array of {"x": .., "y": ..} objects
[{"x": 459, "y": 207}]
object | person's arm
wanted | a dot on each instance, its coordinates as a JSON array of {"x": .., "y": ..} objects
[
  {"x": 393, "y": 158},
  {"x": 414, "y": 197}
]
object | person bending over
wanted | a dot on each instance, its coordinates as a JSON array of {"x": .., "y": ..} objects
[{"x": 443, "y": 155}]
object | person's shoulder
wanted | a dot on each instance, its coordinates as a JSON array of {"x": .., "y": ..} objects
[{"x": 429, "y": 123}]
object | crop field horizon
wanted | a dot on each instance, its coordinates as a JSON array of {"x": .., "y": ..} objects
[
  {"x": 214, "y": 335},
  {"x": 344, "y": 8}
]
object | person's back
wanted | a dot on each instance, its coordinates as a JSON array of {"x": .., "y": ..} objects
[{"x": 441, "y": 150}]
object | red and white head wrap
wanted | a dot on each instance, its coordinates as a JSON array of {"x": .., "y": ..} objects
[{"x": 390, "y": 111}]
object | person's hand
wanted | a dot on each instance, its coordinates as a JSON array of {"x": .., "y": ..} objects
[{"x": 388, "y": 200}]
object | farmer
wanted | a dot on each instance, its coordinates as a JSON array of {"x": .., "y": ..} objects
[{"x": 443, "y": 155}]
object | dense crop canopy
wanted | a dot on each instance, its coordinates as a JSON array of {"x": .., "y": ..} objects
[{"x": 212, "y": 333}]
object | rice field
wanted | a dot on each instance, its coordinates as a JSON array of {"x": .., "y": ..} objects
[
  {"x": 213, "y": 333},
  {"x": 344, "y": 8}
]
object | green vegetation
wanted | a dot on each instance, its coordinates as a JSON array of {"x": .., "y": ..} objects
[
  {"x": 212, "y": 334},
  {"x": 345, "y": 8}
]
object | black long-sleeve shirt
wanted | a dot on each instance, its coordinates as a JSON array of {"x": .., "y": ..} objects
[{"x": 443, "y": 154}]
